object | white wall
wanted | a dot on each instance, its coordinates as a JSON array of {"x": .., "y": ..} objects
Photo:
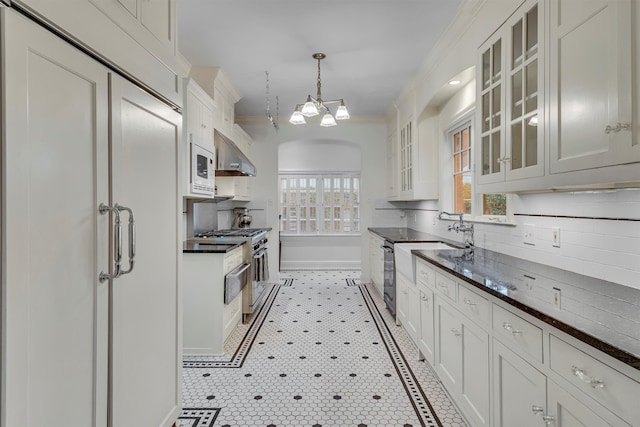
[{"x": 369, "y": 135}]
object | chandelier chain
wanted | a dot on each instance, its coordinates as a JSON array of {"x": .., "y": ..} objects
[{"x": 319, "y": 97}]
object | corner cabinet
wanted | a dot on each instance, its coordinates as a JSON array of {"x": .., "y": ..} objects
[
  {"x": 78, "y": 342},
  {"x": 590, "y": 55},
  {"x": 510, "y": 91}
]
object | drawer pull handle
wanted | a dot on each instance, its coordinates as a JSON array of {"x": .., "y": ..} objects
[
  {"x": 456, "y": 332},
  {"x": 539, "y": 410},
  {"x": 593, "y": 382},
  {"x": 469, "y": 302},
  {"x": 617, "y": 128},
  {"x": 425, "y": 298},
  {"x": 509, "y": 327}
]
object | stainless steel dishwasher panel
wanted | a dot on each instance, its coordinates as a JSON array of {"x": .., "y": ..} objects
[{"x": 389, "y": 277}]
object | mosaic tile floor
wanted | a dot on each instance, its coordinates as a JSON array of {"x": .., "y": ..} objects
[{"x": 322, "y": 352}]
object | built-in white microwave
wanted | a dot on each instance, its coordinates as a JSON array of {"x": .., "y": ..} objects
[{"x": 202, "y": 167}]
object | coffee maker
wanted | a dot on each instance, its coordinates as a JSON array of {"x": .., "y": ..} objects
[{"x": 242, "y": 218}]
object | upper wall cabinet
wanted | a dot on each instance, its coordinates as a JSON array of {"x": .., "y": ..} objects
[
  {"x": 555, "y": 99},
  {"x": 215, "y": 82},
  {"x": 412, "y": 156},
  {"x": 136, "y": 36},
  {"x": 510, "y": 90},
  {"x": 590, "y": 109}
]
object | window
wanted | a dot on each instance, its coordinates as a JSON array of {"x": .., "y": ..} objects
[
  {"x": 490, "y": 206},
  {"x": 320, "y": 204}
]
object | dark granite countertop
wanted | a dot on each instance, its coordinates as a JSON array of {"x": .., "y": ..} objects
[
  {"x": 190, "y": 247},
  {"x": 603, "y": 314}
]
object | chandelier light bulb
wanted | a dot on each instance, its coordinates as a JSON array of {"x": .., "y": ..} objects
[{"x": 297, "y": 118}]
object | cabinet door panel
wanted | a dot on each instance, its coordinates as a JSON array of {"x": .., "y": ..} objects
[
  {"x": 449, "y": 348},
  {"x": 146, "y": 348},
  {"x": 55, "y": 310},
  {"x": 427, "y": 332},
  {"x": 590, "y": 84},
  {"x": 570, "y": 412},
  {"x": 517, "y": 387},
  {"x": 475, "y": 373}
]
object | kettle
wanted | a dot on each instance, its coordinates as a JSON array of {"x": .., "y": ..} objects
[{"x": 242, "y": 219}]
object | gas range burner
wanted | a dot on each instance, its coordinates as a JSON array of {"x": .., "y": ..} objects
[{"x": 237, "y": 232}]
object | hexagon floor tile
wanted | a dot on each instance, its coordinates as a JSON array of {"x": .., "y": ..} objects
[{"x": 323, "y": 351}]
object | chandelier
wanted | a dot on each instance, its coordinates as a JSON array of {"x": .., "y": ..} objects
[{"x": 314, "y": 106}]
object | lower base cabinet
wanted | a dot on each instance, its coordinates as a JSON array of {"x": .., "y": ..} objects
[
  {"x": 540, "y": 377},
  {"x": 462, "y": 362},
  {"x": 407, "y": 306}
]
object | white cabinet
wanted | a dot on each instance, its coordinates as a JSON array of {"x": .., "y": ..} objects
[
  {"x": 426, "y": 331},
  {"x": 590, "y": 85},
  {"x": 376, "y": 261},
  {"x": 137, "y": 36},
  {"x": 517, "y": 388},
  {"x": 208, "y": 321},
  {"x": 392, "y": 166},
  {"x": 198, "y": 114},
  {"x": 62, "y": 327},
  {"x": 199, "y": 111},
  {"x": 510, "y": 93},
  {"x": 462, "y": 361},
  {"x": 407, "y": 306}
]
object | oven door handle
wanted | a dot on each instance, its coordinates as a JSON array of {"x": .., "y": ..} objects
[{"x": 259, "y": 253}]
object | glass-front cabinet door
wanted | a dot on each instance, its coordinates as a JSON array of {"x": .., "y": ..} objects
[
  {"x": 491, "y": 97},
  {"x": 510, "y": 94},
  {"x": 524, "y": 157}
]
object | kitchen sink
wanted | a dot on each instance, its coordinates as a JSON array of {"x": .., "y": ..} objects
[{"x": 405, "y": 262}]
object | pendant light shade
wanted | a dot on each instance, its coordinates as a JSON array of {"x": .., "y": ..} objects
[
  {"x": 314, "y": 106},
  {"x": 328, "y": 120},
  {"x": 297, "y": 118}
]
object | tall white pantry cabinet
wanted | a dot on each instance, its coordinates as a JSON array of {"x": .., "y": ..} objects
[{"x": 78, "y": 351}]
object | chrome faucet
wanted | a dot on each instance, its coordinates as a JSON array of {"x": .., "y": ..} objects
[{"x": 460, "y": 226}]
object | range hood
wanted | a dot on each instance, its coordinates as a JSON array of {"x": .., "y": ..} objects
[{"x": 231, "y": 161}]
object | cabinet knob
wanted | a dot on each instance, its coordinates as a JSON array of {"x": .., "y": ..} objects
[
  {"x": 582, "y": 376},
  {"x": 469, "y": 302},
  {"x": 509, "y": 327}
]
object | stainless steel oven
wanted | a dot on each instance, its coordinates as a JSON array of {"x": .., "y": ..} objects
[{"x": 255, "y": 254}]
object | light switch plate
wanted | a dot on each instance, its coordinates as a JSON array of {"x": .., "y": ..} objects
[
  {"x": 529, "y": 234},
  {"x": 555, "y": 237}
]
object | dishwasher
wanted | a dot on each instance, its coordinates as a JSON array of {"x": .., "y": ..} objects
[{"x": 389, "y": 277}]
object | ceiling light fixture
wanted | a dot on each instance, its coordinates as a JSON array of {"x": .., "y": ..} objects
[{"x": 314, "y": 106}]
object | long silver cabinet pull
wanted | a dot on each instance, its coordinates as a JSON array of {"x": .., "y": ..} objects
[
  {"x": 117, "y": 247},
  {"x": 132, "y": 238}
]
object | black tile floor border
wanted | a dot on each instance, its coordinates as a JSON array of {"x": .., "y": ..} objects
[
  {"x": 416, "y": 395},
  {"x": 242, "y": 351},
  {"x": 352, "y": 282}
]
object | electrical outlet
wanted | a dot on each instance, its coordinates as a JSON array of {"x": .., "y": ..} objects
[
  {"x": 529, "y": 234},
  {"x": 557, "y": 297},
  {"x": 555, "y": 237}
]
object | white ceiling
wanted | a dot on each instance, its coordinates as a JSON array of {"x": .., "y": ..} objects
[{"x": 373, "y": 47}]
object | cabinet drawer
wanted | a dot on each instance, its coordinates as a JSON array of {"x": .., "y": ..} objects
[
  {"x": 446, "y": 286},
  {"x": 607, "y": 386},
  {"x": 232, "y": 260},
  {"x": 425, "y": 274},
  {"x": 525, "y": 335},
  {"x": 476, "y": 307}
]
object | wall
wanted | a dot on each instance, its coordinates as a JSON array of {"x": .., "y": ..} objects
[{"x": 369, "y": 135}]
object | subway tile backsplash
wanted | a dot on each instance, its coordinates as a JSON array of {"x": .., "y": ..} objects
[{"x": 599, "y": 231}]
